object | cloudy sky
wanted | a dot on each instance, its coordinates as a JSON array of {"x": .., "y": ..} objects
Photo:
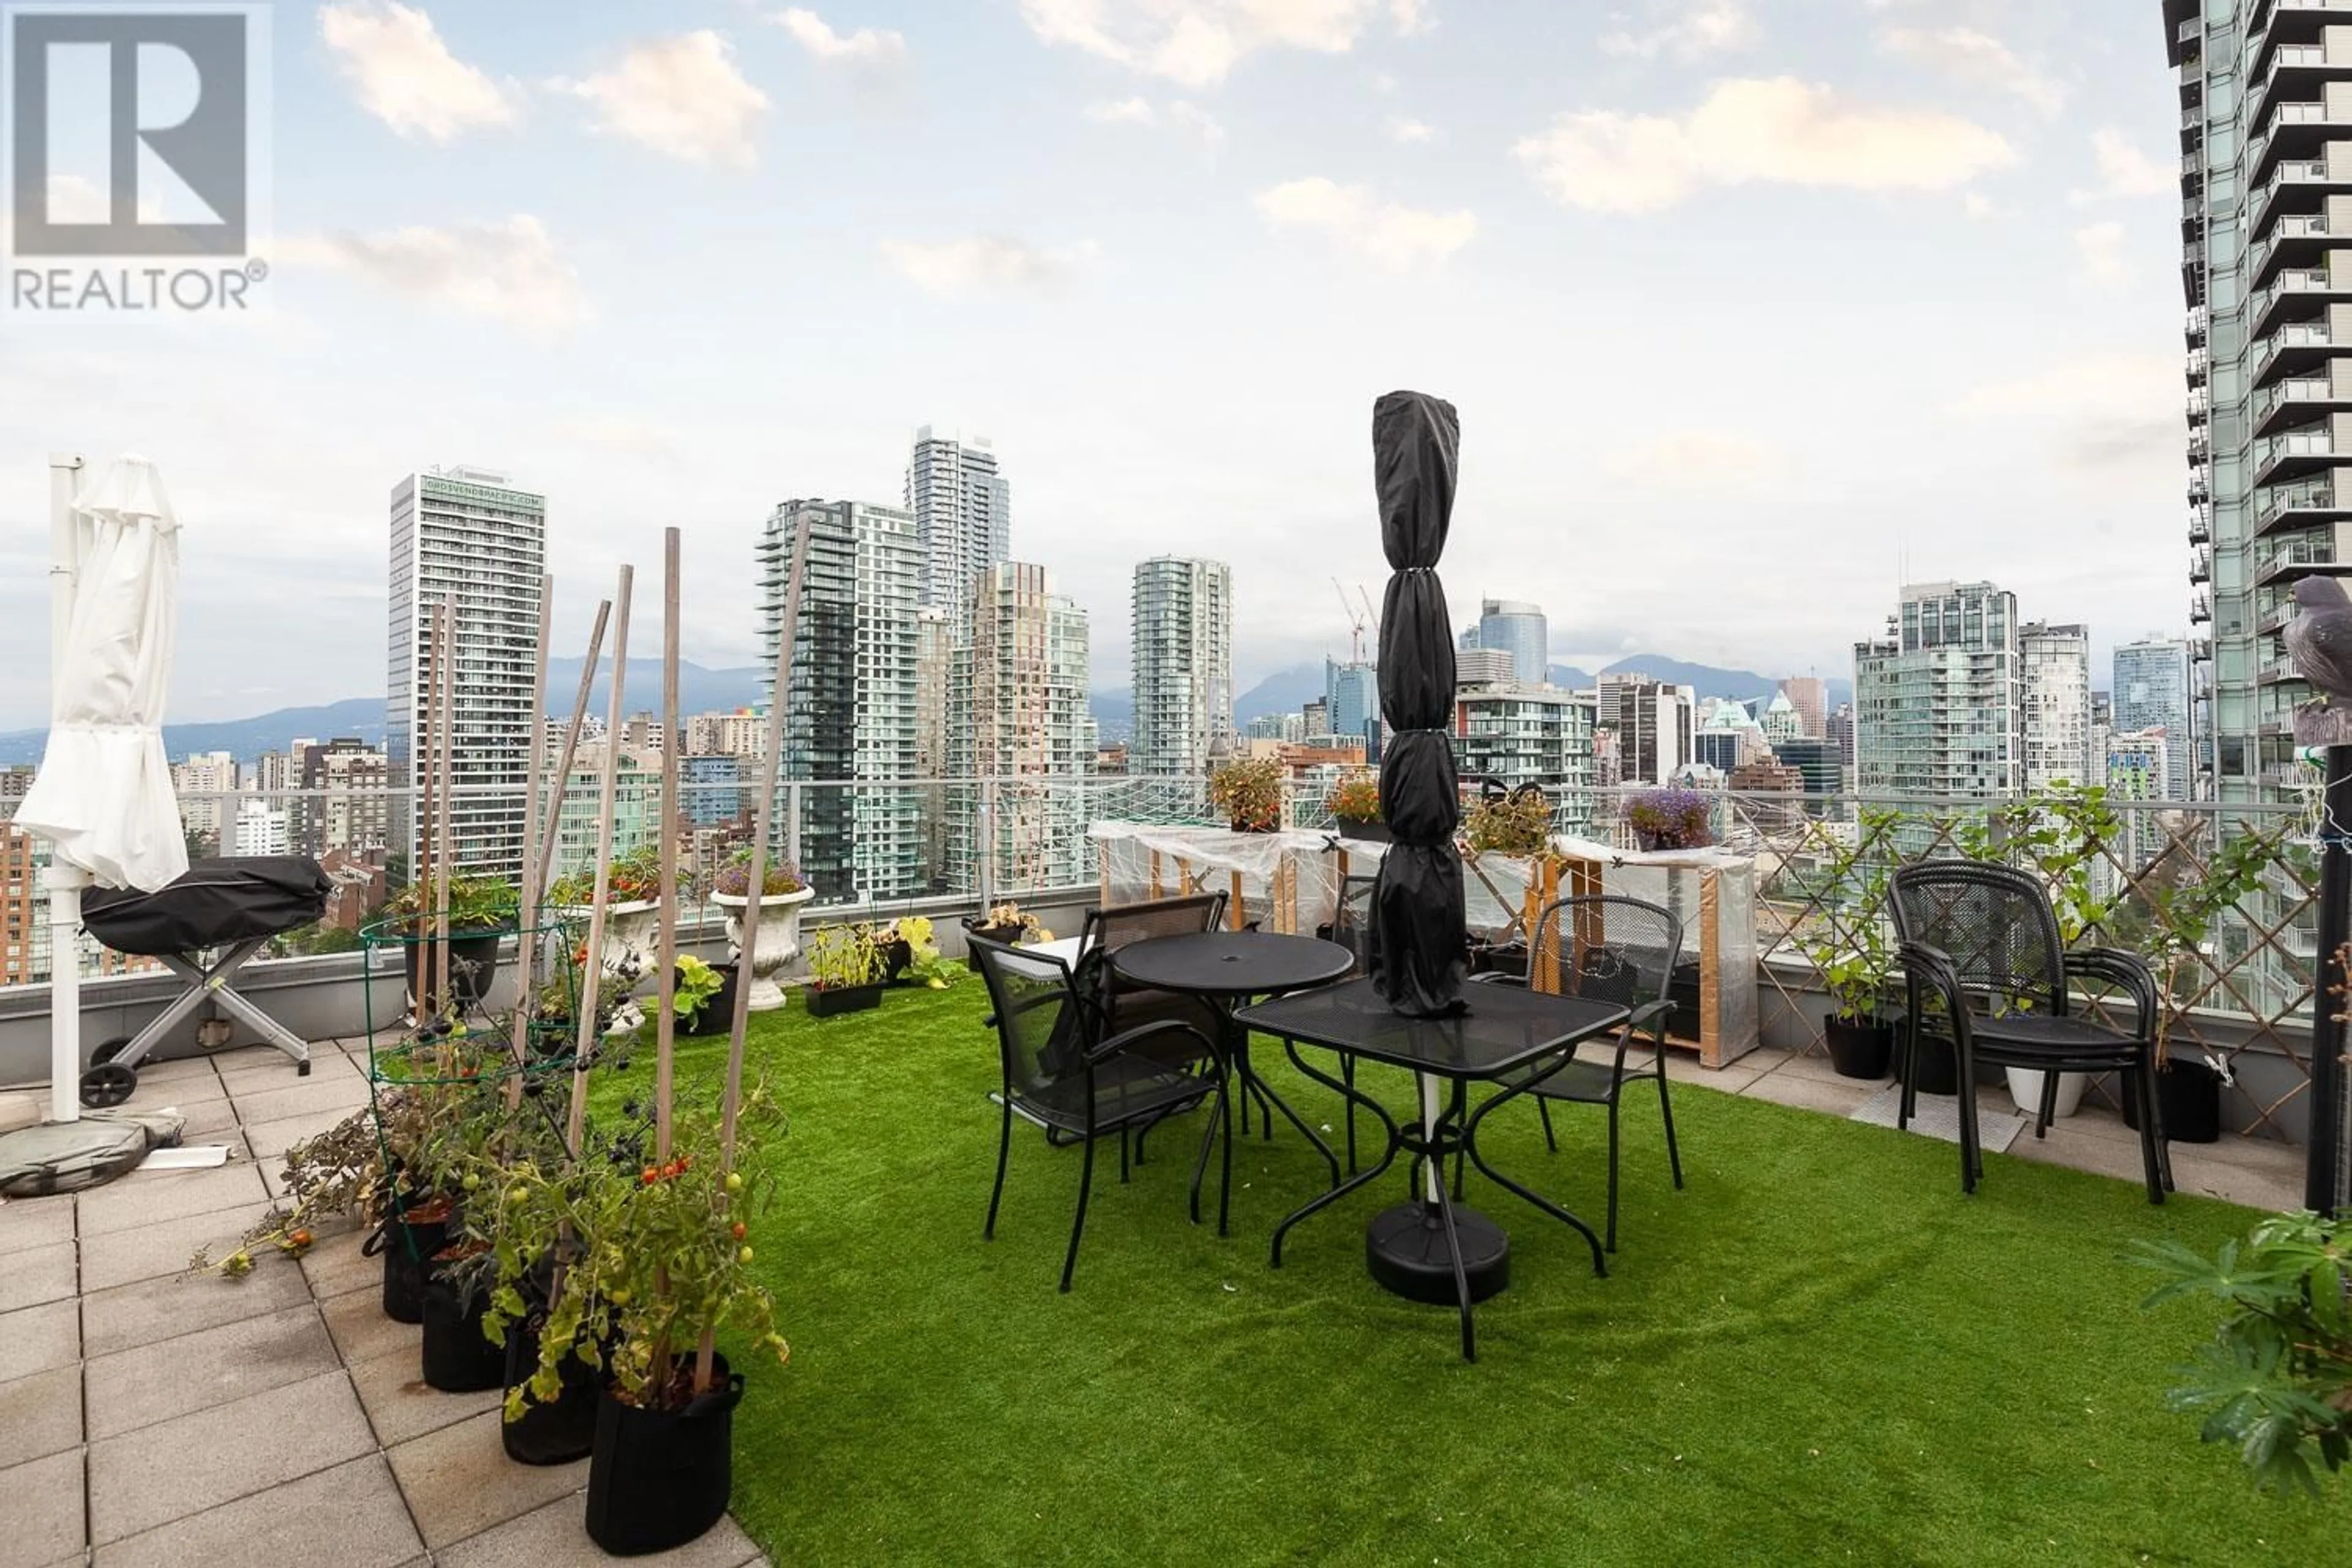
[{"x": 1750, "y": 307}]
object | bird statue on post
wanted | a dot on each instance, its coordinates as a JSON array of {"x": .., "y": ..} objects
[{"x": 2319, "y": 638}]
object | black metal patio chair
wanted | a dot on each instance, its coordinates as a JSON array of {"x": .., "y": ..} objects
[
  {"x": 1064, "y": 1074},
  {"x": 1981, "y": 943},
  {"x": 1352, "y": 927},
  {"x": 1126, "y": 1006},
  {"x": 1608, "y": 949}
]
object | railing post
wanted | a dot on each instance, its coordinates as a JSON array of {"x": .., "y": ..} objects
[
  {"x": 984, "y": 866},
  {"x": 793, "y": 826}
]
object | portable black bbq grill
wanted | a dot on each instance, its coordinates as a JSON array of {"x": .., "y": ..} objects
[{"x": 203, "y": 928}]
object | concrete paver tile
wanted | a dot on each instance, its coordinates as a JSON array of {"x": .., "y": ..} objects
[
  {"x": 173, "y": 1468},
  {"x": 172, "y": 1378}
]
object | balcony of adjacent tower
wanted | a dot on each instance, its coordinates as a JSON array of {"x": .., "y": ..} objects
[
  {"x": 2273, "y": 24},
  {"x": 2184, "y": 30},
  {"x": 2284, "y": 73},
  {"x": 2296, "y": 349},
  {"x": 2289, "y": 557},
  {"x": 2201, "y": 527},
  {"x": 2297, "y": 187},
  {"x": 2298, "y": 130},
  {"x": 2306, "y": 453},
  {"x": 2201, "y": 566},
  {"x": 2300, "y": 241},
  {"x": 2287, "y": 507},
  {"x": 2300, "y": 295},
  {"x": 2297, "y": 401}
]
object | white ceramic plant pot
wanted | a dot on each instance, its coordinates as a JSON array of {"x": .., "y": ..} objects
[
  {"x": 2025, "y": 1087},
  {"x": 631, "y": 938},
  {"x": 779, "y": 941}
]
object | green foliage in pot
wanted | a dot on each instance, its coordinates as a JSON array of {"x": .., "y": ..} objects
[
  {"x": 923, "y": 961},
  {"x": 2276, "y": 1381},
  {"x": 1850, "y": 949},
  {"x": 697, "y": 982},
  {"x": 2061, "y": 835},
  {"x": 1518, "y": 825},
  {"x": 659, "y": 1254},
  {"x": 476, "y": 904},
  {"x": 632, "y": 878},
  {"x": 1249, "y": 792},
  {"x": 1355, "y": 799},
  {"x": 843, "y": 956}
]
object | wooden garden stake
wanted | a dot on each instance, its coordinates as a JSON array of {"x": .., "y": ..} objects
[
  {"x": 592, "y": 970},
  {"x": 762, "y": 824},
  {"x": 571, "y": 748},
  {"x": 527, "y": 932},
  {"x": 666, "y": 987},
  {"x": 445, "y": 667}
]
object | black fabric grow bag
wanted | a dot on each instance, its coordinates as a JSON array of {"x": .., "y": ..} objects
[
  {"x": 658, "y": 1478},
  {"x": 458, "y": 1358},
  {"x": 563, "y": 1429},
  {"x": 406, "y": 1248},
  {"x": 230, "y": 899}
]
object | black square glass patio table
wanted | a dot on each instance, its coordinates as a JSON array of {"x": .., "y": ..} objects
[
  {"x": 1433, "y": 1248},
  {"x": 1230, "y": 967}
]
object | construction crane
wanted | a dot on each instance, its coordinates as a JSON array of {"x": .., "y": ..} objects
[
  {"x": 1371, "y": 620},
  {"x": 1356, "y": 623}
]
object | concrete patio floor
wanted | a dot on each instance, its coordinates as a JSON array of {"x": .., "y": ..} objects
[{"x": 148, "y": 1416}]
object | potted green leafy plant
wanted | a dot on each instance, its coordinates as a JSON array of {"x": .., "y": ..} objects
[
  {"x": 910, "y": 954},
  {"x": 1354, "y": 804},
  {"x": 1663, "y": 819},
  {"x": 703, "y": 1001},
  {"x": 482, "y": 911},
  {"x": 1849, "y": 950},
  {"x": 782, "y": 891},
  {"x": 1249, "y": 792},
  {"x": 2276, "y": 1380},
  {"x": 845, "y": 970},
  {"x": 662, "y": 1260},
  {"x": 1518, "y": 825},
  {"x": 1006, "y": 924}
]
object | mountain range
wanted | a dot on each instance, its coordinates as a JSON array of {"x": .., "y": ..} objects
[{"x": 702, "y": 689}]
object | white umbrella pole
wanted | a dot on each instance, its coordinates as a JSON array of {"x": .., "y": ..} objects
[{"x": 66, "y": 882}]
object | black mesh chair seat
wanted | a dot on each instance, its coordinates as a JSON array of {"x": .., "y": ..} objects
[
  {"x": 1127, "y": 1089},
  {"x": 1605, "y": 949},
  {"x": 1984, "y": 961},
  {"x": 2068, "y": 1044},
  {"x": 1585, "y": 1083},
  {"x": 1064, "y": 1072}
]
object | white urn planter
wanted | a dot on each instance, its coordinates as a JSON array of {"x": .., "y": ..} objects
[
  {"x": 632, "y": 939},
  {"x": 2025, "y": 1087},
  {"x": 778, "y": 945}
]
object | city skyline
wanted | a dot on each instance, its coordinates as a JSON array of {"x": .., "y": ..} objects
[{"x": 1452, "y": 181}]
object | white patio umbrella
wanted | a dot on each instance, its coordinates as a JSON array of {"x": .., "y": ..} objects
[{"x": 103, "y": 795}]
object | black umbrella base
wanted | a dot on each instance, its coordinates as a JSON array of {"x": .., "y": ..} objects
[{"x": 1406, "y": 1250}]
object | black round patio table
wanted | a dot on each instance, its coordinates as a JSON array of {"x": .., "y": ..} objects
[{"x": 1229, "y": 967}]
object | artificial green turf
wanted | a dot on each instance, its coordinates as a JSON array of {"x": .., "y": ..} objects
[{"x": 1818, "y": 1352}]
